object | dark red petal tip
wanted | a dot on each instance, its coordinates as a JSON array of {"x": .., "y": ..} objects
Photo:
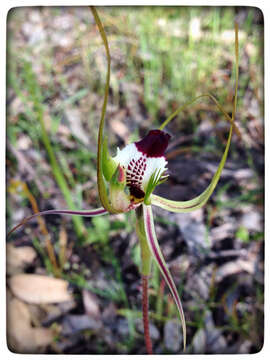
[{"x": 154, "y": 143}]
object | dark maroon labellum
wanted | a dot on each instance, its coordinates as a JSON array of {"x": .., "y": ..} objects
[
  {"x": 154, "y": 143},
  {"x": 136, "y": 191}
]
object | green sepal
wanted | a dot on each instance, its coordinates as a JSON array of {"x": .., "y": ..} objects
[
  {"x": 102, "y": 188},
  {"x": 198, "y": 201},
  {"x": 108, "y": 164}
]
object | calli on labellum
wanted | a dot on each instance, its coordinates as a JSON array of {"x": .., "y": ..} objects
[
  {"x": 126, "y": 182},
  {"x": 139, "y": 167}
]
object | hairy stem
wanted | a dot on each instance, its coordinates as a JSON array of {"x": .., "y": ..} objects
[{"x": 147, "y": 339}]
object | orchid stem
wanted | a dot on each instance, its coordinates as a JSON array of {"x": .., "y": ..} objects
[
  {"x": 147, "y": 339},
  {"x": 145, "y": 271}
]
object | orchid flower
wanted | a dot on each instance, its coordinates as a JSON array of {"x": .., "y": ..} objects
[{"x": 127, "y": 181}]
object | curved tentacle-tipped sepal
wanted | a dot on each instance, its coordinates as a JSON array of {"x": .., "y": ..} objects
[
  {"x": 198, "y": 201},
  {"x": 215, "y": 101},
  {"x": 85, "y": 213},
  {"x": 157, "y": 255},
  {"x": 102, "y": 188}
]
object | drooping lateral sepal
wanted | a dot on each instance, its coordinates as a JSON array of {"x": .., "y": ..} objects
[
  {"x": 157, "y": 255},
  {"x": 85, "y": 213}
]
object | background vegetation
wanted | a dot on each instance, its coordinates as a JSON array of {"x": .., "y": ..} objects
[{"x": 161, "y": 58}]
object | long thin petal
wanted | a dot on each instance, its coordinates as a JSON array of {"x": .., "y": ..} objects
[
  {"x": 198, "y": 201},
  {"x": 85, "y": 213},
  {"x": 157, "y": 254},
  {"x": 211, "y": 97}
]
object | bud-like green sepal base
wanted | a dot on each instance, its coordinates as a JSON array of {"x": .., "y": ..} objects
[
  {"x": 108, "y": 164},
  {"x": 119, "y": 193}
]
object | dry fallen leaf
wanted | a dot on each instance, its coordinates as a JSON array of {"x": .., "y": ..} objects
[
  {"x": 18, "y": 258},
  {"x": 39, "y": 289},
  {"x": 118, "y": 125},
  {"x": 91, "y": 306},
  {"x": 21, "y": 336}
]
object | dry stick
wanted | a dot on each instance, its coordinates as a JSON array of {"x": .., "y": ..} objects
[
  {"x": 147, "y": 339},
  {"x": 48, "y": 243},
  {"x": 42, "y": 226}
]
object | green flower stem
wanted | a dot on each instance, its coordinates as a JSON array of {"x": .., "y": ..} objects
[
  {"x": 145, "y": 251},
  {"x": 145, "y": 271}
]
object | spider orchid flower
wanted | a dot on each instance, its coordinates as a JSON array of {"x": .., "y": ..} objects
[
  {"x": 139, "y": 167},
  {"x": 126, "y": 182}
]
